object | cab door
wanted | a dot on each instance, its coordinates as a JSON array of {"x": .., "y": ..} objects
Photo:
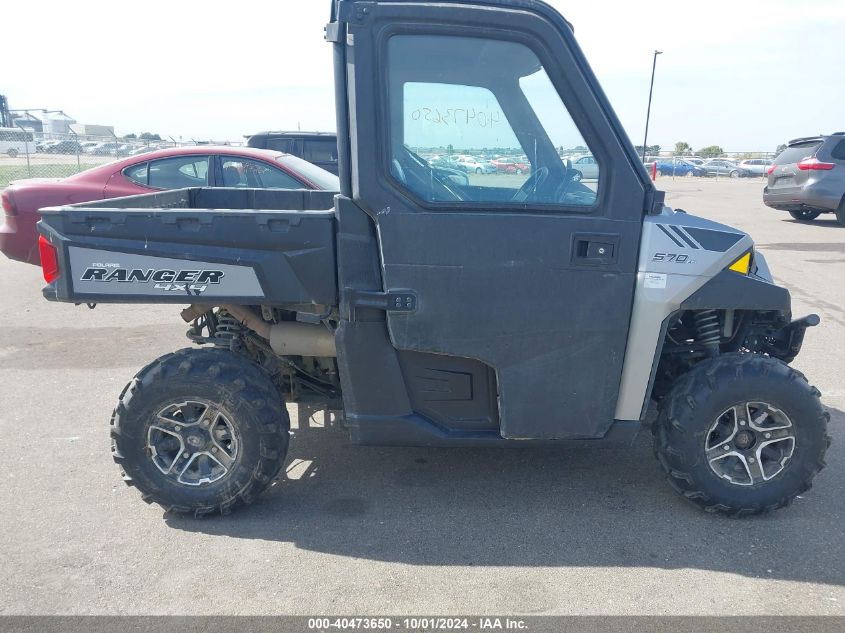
[{"x": 532, "y": 274}]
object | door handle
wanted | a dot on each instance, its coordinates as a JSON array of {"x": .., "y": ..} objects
[{"x": 598, "y": 249}]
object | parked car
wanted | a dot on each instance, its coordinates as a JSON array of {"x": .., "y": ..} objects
[
  {"x": 109, "y": 149},
  {"x": 476, "y": 166},
  {"x": 163, "y": 169},
  {"x": 808, "y": 178},
  {"x": 586, "y": 168},
  {"x": 318, "y": 148},
  {"x": 65, "y": 147},
  {"x": 722, "y": 167},
  {"x": 756, "y": 166},
  {"x": 678, "y": 167},
  {"x": 44, "y": 146},
  {"x": 695, "y": 160},
  {"x": 506, "y": 165}
]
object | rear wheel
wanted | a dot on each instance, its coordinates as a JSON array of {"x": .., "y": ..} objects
[
  {"x": 735, "y": 174},
  {"x": 660, "y": 172},
  {"x": 200, "y": 431},
  {"x": 13, "y": 153},
  {"x": 478, "y": 170},
  {"x": 741, "y": 434},
  {"x": 804, "y": 215}
]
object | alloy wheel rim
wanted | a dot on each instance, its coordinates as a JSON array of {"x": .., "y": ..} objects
[
  {"x": 193, "y": 442},
  {"x": 750, "y": 443}
]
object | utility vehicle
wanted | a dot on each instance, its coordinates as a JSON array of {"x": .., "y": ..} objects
[{"x": 507, "y": 310}]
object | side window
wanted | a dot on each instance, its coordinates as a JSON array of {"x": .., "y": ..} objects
[
  {"x": 838, "y": 152},
  {"x": 286, "y": 145},
  {"x": 255, "y": 174},
  {"x": 462, "y": 113},
  {"x": 137, "y": 173},
  {"x": 320, "y": 150},
  {"x": 178, "y": 172}
]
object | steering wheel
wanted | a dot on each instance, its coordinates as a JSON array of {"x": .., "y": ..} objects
[
  {"x": 571, "y": 177},
  {"x": 531, "y": 185}
]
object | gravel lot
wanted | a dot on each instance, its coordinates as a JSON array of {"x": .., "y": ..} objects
[{"x": 399, "y": 530}]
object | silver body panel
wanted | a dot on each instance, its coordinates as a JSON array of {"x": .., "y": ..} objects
[{"x": 679, "y": 253}]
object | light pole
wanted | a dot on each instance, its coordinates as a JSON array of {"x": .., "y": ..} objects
[{"x": 650, "y": 91}]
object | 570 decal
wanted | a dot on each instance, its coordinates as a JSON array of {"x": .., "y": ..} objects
[{"x": 670, "y": 258}]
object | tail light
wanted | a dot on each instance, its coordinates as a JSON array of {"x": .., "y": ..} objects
[
  {"x": 814, "y": 164},
  {"x": 771, "y": 168},
  {"x": 8, "y": 203},
  {"x": 49, "y": 259}
]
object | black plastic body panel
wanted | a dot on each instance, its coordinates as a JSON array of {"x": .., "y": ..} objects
[
  {"x": 457, "y": 394},
  {"x": 269, "y": 246},
  {"x": 732, "y": 291}
]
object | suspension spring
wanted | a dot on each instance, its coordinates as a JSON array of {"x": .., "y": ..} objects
[
  {"x": 227, "y": 328},
  {"x": 709, "y": 329}
]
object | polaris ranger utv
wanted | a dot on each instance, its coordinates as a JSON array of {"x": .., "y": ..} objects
[{"x": 501, "y": 309}]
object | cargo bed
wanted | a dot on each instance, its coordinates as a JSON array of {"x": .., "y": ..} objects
[{"x": 247, "y": 246}]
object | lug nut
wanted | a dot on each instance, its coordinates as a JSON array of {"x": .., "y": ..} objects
[
  {"x": 185, "y": 455},
  {"x": 742, "y": 422},
  {"x": 177, "y": 428},
  {"x": 768, "y": 435},
  {"x": 750, "y": 460},
  {"x": 727, "y": 448},
  {"x": 213, "y": 449}
]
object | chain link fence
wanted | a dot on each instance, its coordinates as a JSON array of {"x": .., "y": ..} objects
[{"x": 25, "y": 155}]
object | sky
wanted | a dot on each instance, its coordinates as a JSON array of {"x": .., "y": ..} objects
[{"x": 745, "y": 75}]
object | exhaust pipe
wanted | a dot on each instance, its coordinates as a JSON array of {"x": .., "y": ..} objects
[{"x": 289, "y": 338}]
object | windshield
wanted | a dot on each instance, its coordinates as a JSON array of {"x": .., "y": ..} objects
[{"x": 323, "y": 179}]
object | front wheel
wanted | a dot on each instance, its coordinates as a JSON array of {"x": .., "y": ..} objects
[
  {"x": 735, "y": 174},
  {"x": 804, "y": 216},
  {"x": 741, "y": 434},
  {"x": 200, "y": 431}
]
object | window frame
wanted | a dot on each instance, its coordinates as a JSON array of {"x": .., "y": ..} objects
[
  {"x": 591, "y": 138},
  {"x": 149, "y": 162}
]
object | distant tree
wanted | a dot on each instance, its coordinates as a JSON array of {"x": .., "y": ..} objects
[
  {"x": 451, "y": 149},
  {"x": 711, "y": 151},
  {"x": 651, "y": 149},
  {"x": 780, "y": 148},
  {"x": 681, "y": 148},
  {"x": 148, "y": 136},
  {"x": 130, "y": 137}
]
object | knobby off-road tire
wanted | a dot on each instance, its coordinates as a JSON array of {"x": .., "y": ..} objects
[
  {"x": 200, "y": 431},
  {"x": 685, "y": 441}
]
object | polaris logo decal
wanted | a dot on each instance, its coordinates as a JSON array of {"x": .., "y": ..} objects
[
  {"x": 192, "y": 281},
  {"x": 115, "y": 274}
]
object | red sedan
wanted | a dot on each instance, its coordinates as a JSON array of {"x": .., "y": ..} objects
[
  {"x": 200, "y": 166},
  {"x": 511, "y": 166}
]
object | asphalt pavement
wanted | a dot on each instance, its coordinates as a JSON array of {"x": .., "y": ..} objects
[{"x": 362, "y": 530}]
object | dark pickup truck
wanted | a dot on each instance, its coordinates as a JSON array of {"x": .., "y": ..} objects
[{"x": 492, "y": 310}]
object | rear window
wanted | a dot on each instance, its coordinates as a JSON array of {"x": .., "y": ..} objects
[
  {"x": 839, "y": 151},
  {"x": 797, "y": 153}
]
